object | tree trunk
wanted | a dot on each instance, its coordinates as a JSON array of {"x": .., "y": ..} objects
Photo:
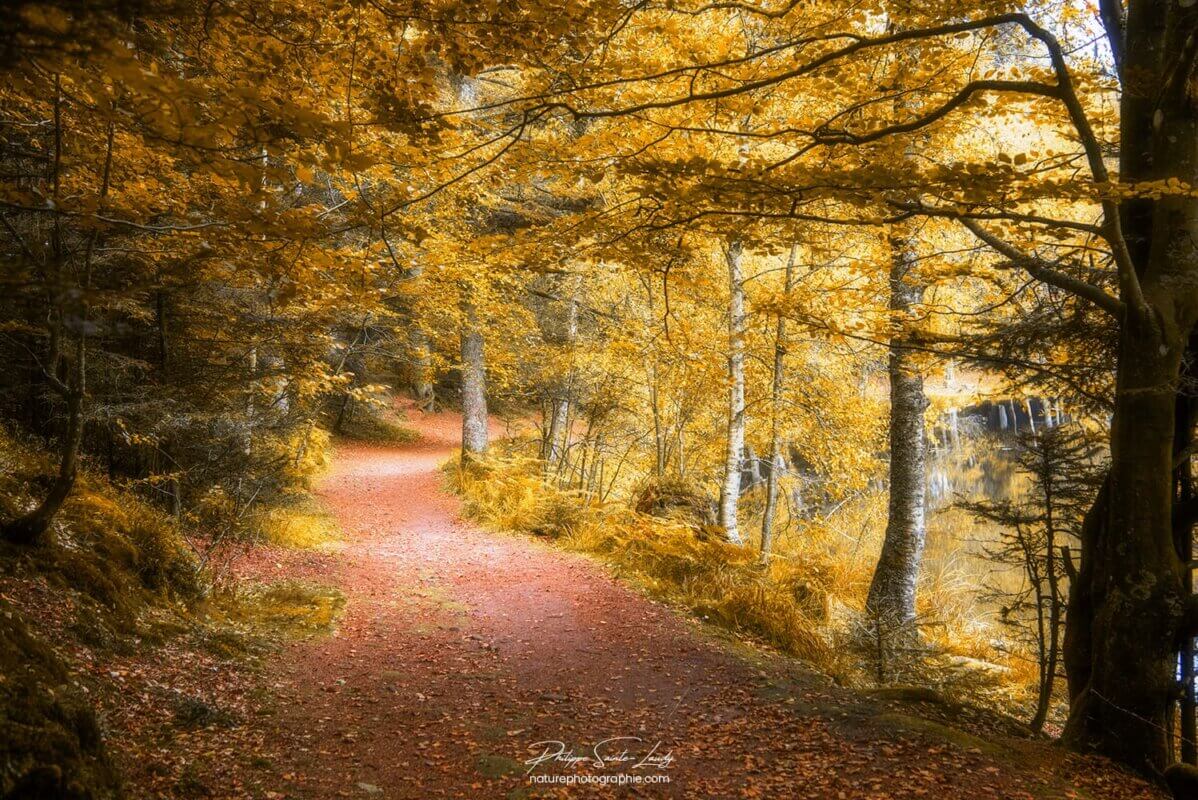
[
  {"x": 752, "y": 467},
  {"x": 342, "y": 413},
  {"x": 1044, "y": 687},
  {"x": 559, "y": 411},
  {"x": 30, "y": 529},
  {"x": 1127, "y": 617},
  {"x": 1052, "y": 646},
  {"x": 660, "y": 445},
  {"x": 474, "y": 389},
  {"x": 777, "y": 463},
  {"x": 659, "y": 436},
  {"x": 422, "y": 369},
  {"x": 1135, "y": 577},
  {"x": 558, "y": 438},
  {"x": 730, "y": 491},
  {"x": 423, "y": 383},
  {"x": 1183, "y": 534},
  {"x": 892, "y": 591}
]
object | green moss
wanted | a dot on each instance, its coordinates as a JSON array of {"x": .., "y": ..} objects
[
  {"x": 50, "y": 742},
  {"x": 911, "y": 694},
  {"x": 493, "y": 766},
  {"x": 376, "y": 425},
  {"x": 941, "y": 732}
]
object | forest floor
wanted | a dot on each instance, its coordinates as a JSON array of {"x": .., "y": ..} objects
[{"x": 461, "y": 649}]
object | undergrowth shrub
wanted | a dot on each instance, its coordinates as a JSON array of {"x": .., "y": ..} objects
[
  {"x": 116, "y": 574},
  {"x": 107, "y": 542},
  {"x": 112, "y": 562},
  {"x": 675, "y": 498}
]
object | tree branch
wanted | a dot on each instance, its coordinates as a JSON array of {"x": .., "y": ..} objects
[
  {"x": 956, "y": 101},
  {"x": 1043, "y": 271}
]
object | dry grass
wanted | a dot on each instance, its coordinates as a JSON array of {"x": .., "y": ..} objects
[
  {"x": 301, "y": 522},
  {"x": 290, "y": 608}
]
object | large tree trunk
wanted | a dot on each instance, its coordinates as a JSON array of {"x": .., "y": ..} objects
[
  {"x": 730, "y": 491},
  {"x": 1128, "y": 616},
  {"x": 474, "y": 389},
  {"x": 1183, "y": 536},
  {"x": 777, "y": 463},
  {"x": 892, "y": 592},
  {"x": 1132, "y": 593}
]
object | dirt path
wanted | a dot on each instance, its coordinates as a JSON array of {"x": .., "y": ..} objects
[{"x": 460, "y": 648}]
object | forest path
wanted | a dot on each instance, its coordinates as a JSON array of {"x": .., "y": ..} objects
[{"x": 460, "y": 648}]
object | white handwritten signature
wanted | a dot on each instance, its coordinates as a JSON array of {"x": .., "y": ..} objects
[{"x": 615, "y": 750}]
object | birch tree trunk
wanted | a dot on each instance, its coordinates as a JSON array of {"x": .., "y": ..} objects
[
  {"x": 558, "y": 438},
  {"x": 892, "y": 592},
  {"x": 730, "y": 491},
  {"x": 474, "y": 388},
  {"x": 660, "y": 445}
]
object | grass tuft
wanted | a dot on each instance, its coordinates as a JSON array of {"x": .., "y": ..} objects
[{"x": 301, "y": 522}]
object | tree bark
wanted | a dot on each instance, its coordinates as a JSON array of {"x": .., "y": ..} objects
[
  {"x": 1127, "y": 616},
  {"x": 558, "y": 437},
  {"x": 422, "y": 369},
  {"x": 474, "y": 388},
  {"x": 423, "y": 384},
  {"x": 892, "y": 591},
  {"x": 660, "y": 445},
  {"x": 1135, "y": 590},
  {"x": 1051, "y": 643},
  {"x": 730, "y": 491},
  {"x": 1183, "y": 533}
]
